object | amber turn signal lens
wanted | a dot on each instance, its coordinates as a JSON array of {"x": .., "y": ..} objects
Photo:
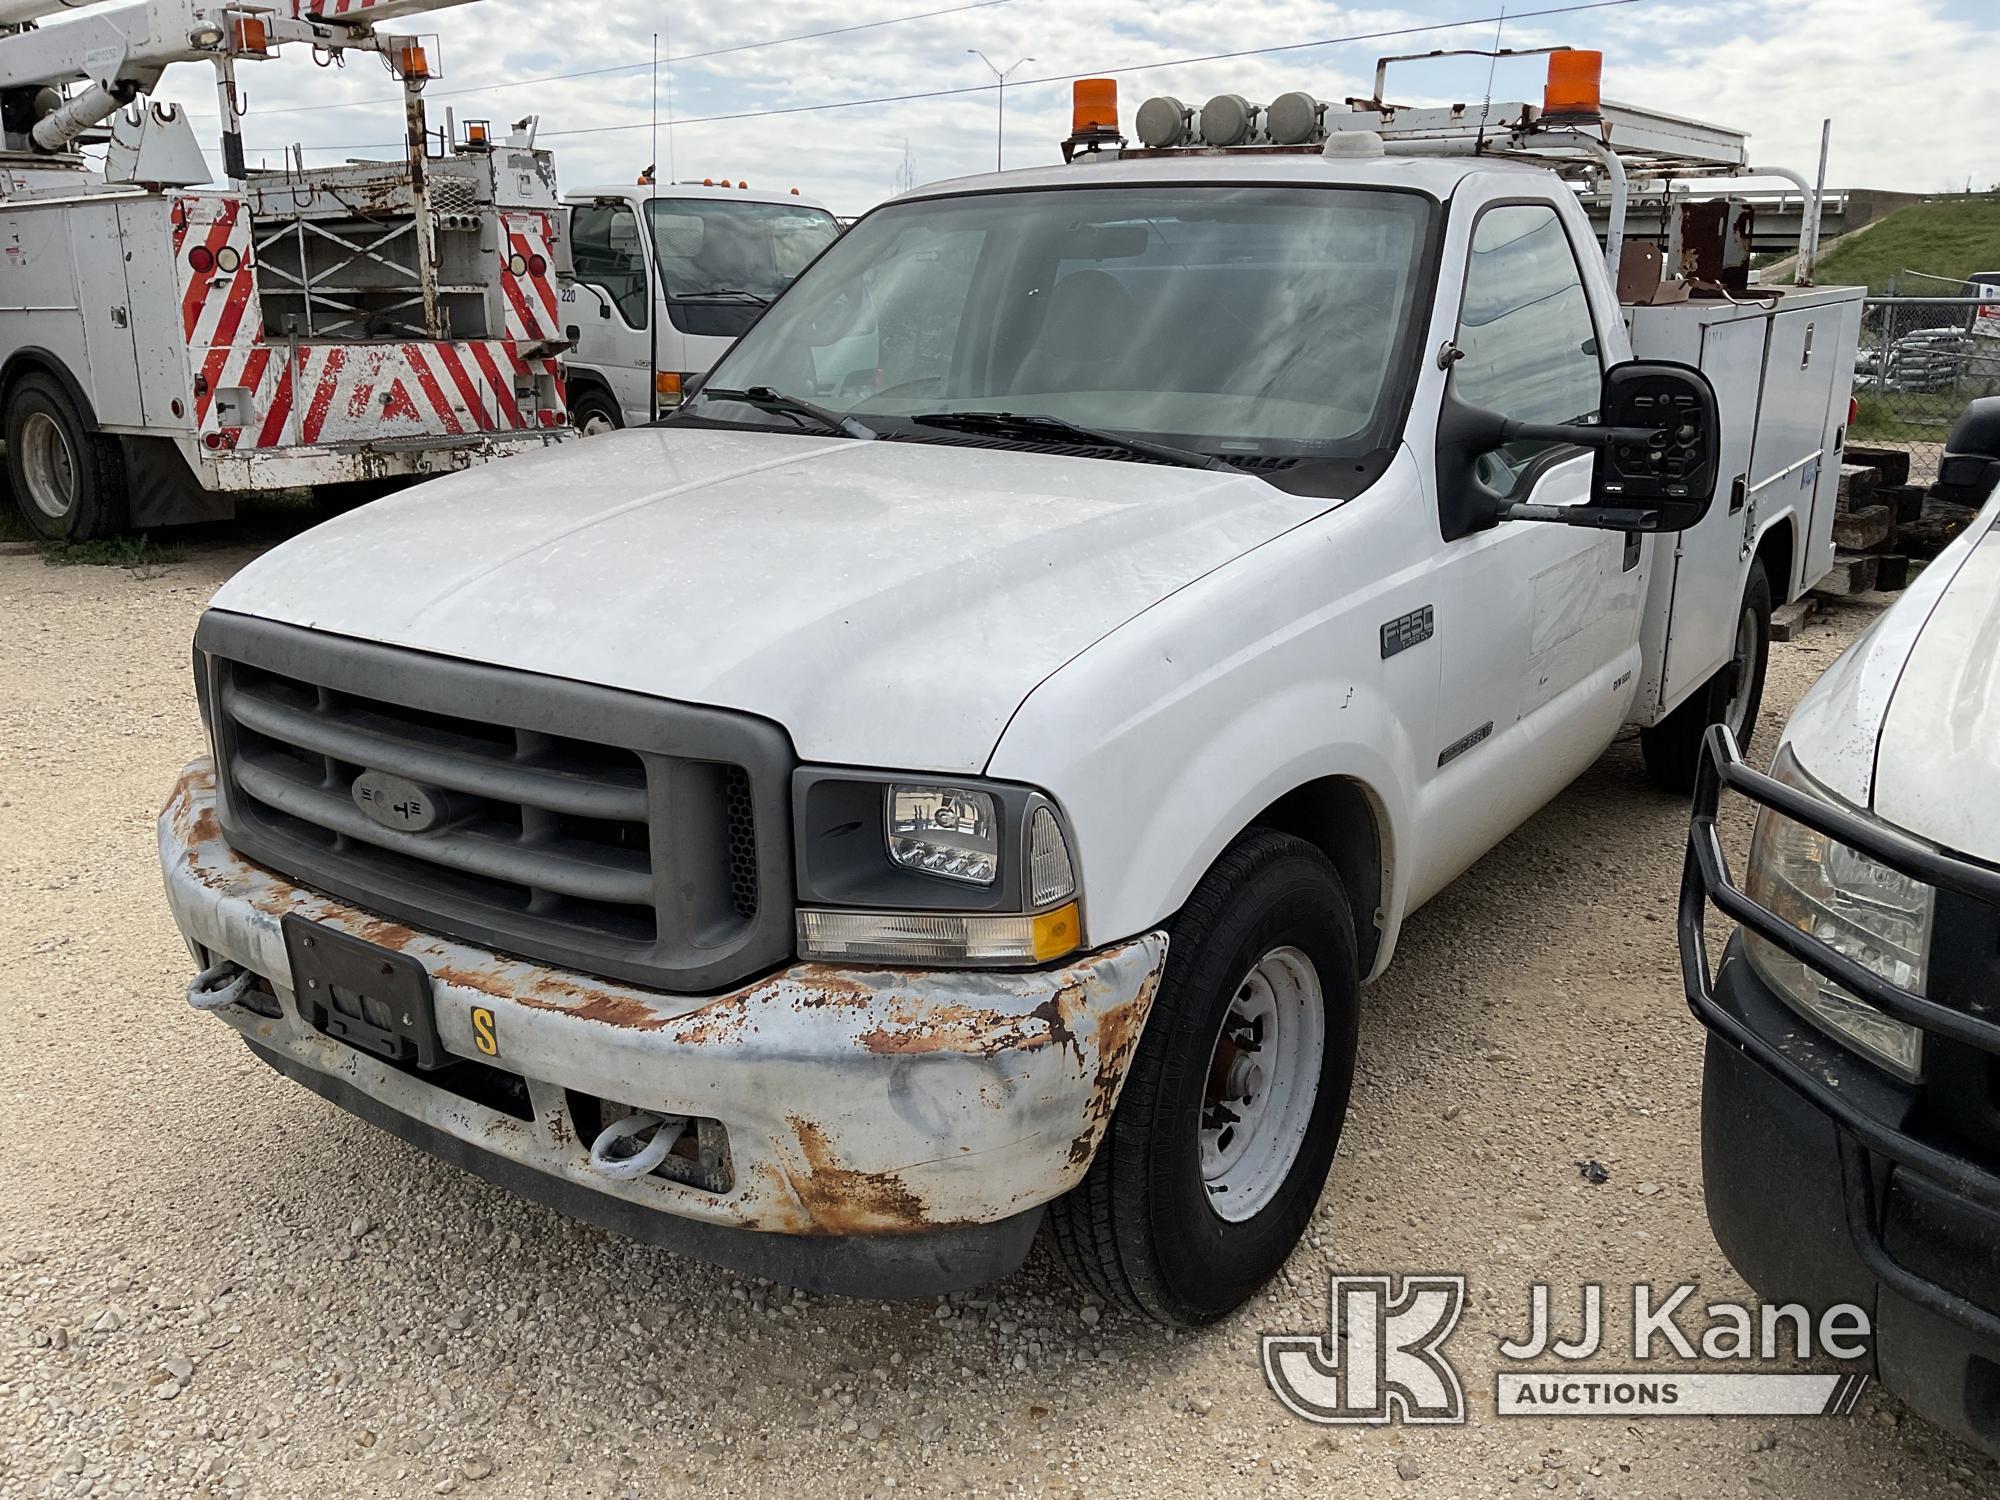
[{"x": 1094, "y": 106}]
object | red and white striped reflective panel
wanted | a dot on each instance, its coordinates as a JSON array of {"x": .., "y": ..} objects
[
  {"x": 530, "y": 295},
  {"x": 217, "y": 286},
  {"x": 253, "y": 393},
  {"x": 355, "y": 393}
]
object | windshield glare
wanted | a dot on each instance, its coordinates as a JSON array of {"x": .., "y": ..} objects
[
  {"x": 1235, "y": 320},
  {"x": 708, "y": 245}
]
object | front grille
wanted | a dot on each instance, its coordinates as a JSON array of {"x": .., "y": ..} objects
[
  {"x": 742, "y": 843},
  {"x": 613, "y": 833}
]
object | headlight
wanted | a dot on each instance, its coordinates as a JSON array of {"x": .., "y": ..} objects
[
  {"x": 947, "y": 831},
  {"x": 896, "y": 870},
  {"x": 1863, "y": 910}
]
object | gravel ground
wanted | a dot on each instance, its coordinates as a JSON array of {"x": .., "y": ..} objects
[{"x": 211, "y": 1282}]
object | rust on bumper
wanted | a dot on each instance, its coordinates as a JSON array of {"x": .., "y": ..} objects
[{"x": 857, "y": 1102}]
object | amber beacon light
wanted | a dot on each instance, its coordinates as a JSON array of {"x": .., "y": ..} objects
[
  {"x": 1572, "y": 88},
  {"x": 1094, "y": 105},
  {"x": 1093, "y": 116}
]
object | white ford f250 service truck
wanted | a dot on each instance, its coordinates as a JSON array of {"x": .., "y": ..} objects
[
  {"x": 1850, "y": 1103},
  {"x": 834, "y": 833}
]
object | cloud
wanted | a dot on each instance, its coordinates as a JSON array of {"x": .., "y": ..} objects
[{"x": 1912, "y": 97}]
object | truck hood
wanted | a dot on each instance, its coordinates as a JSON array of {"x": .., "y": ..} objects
[
  {"x": 890, "y": 604},
  {"x": 1906, "y": 722}
]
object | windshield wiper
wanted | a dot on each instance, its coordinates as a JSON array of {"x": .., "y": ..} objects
[
  {"x": 1036, "y": 426},
  {"x": 716, "y": 294},
  {"x": 765, "y": 399}
]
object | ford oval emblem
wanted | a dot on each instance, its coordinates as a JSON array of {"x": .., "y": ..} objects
[{"x": 398, "y": 803}]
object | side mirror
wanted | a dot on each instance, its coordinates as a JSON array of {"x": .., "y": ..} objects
[
  {"x": 691, "y": 387},
  {"x": 1970, "y": 468},
  {"x": 1658, "y": 441}
]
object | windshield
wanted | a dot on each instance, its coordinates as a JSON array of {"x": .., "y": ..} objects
[
  {"x": 1232, "y": 320},
  {"x": 732, "y": 258}
]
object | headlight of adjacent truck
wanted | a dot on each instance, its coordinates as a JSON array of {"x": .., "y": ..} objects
[
  {"x": 1863, "y": 910},
  {"x": 904, "y": 871}
]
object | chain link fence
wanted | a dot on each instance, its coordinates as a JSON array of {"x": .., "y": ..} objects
[{"x": 1921, "y": 359}]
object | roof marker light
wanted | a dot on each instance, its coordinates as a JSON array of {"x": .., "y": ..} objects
[{"x": 1352, "y": 145}]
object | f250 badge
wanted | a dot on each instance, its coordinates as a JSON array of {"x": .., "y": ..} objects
[
  {"x": 1408, "y": 630},
  {"x": 398, "y": 803}
]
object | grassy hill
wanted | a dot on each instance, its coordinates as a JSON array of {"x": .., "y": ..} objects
[{"x": 1944, "y": 237}]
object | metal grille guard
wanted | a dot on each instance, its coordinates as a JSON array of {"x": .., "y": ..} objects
[{"x": 1705, "y": 877}]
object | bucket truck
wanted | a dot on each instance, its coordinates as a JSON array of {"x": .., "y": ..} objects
[{"x": 168, "y": 346}]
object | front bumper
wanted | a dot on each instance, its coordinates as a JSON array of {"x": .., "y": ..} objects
[
  {"x": 1828, "y": 1180},
  {"x": 250, "y": 470},
  {"x": 889, "y": 1132}
]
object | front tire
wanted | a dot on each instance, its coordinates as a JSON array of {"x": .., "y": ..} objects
[
  {"x": 593, "y": 413},
  {"x": 1227, "y": 1126},
  {"x": 69, "y": 482},
  {"x": 1733, "y": 696}
]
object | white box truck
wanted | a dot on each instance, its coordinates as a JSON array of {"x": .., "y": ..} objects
[
  {"x": 667, "y": 277},
  {"x": 891, "y": 814}
]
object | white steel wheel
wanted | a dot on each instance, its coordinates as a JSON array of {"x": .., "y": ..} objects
[
  {"x": 595, "y": 424},
  {"x": 1744, "y": 690},
  {"x": 48, "y": 466},
  {"x": 1263, "y": 1080}
]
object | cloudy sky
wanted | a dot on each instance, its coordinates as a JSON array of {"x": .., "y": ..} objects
[{"x": 1913, "y": 87}]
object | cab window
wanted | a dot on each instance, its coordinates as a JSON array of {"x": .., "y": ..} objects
[
  {"x": 1528, "y": 349},
  {"x": 604, "y": 243}
]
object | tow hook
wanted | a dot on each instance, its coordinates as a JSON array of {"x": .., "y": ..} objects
[
  {"x": 617, "y": 1154},
  {"x": 219, "y": 985}
]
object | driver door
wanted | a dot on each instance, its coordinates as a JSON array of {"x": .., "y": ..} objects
[
  {"x": 610, "y": 308},
  {"x": 1537, "y": 621}
]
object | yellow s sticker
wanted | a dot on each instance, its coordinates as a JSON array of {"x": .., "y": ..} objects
[{"x": 485, "y": 1036}]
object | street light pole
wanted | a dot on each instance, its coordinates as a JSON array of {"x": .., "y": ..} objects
[{"x": 1000, "y": 112}]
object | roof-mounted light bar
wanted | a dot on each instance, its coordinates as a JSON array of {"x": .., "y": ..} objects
[{"x": 1571, "y": 108}]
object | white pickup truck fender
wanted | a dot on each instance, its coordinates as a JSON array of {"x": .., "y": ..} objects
[{"x": 1909, "y": 715}]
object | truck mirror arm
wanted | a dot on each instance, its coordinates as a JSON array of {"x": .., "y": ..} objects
[
  {"x": 1582, "y": 434},
  {"x": 1601, "y": 517}
]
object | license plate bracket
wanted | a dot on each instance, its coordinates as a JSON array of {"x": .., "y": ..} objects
[{"x": 372, "y": 998}]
